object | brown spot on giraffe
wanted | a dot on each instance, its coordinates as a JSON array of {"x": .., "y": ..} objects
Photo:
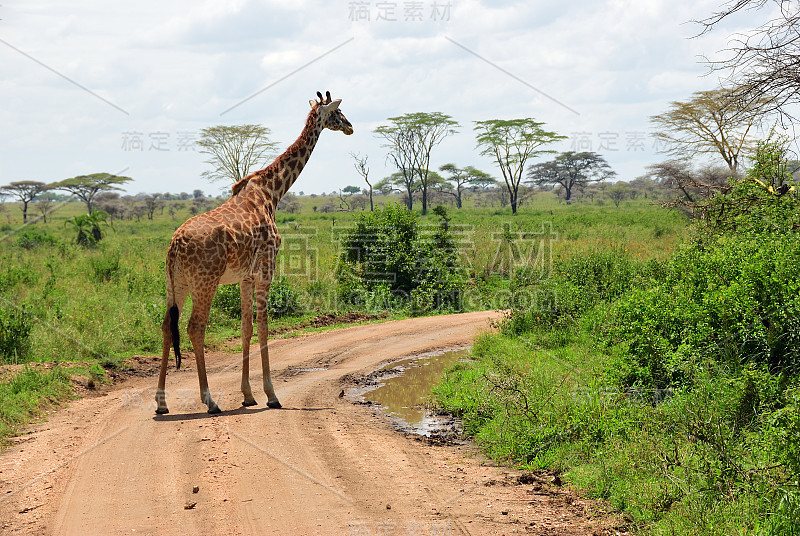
[{"x": 236, "y": 243}]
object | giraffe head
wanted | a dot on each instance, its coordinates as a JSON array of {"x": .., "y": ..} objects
[{"x": 332, "y": 116}]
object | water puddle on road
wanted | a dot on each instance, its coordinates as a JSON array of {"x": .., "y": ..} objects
[{"x": 407, "y": 386}]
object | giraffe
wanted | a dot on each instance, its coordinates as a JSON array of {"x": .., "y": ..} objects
[{"x": 236, "y": 242}]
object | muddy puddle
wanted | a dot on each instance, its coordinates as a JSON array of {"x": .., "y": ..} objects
[{"x": 404, "y": 387}]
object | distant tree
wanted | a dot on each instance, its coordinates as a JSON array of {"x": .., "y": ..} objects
[
  {"x": 197, "y": 194},
  {"x": 644, "y": 186},
  {"x": 153, "y": 202},
  {"x": 235, "y": 150},
  {"x": 87, "y": 187},
  {"x": 112, "y": 204},
  {"x": 691, "y": 184},
  {"x": 346, "y": 196},
  {"x": 44, "y": 204},
  {"x": 511, "y": 143},
  {"x": 459, "y": 180},
  {"x": 361, "y": 166},
  {"x": 350, "y": 190},
  {"x": 410, "y": 139},
  {"x": 618, "y": 193},
  {"x": 398, "y": 181},
  {"x": 571, "y": 169},
  {"x": 25, "y": 191},
  {"x": 711, "y": 122}
]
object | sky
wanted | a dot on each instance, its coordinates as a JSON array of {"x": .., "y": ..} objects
[{"x": 124, "y": 88}]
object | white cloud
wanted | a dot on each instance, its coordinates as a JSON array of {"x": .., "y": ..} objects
[{"x": 175, "y": 67}]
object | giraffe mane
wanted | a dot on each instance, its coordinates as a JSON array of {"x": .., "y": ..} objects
[
  {"x": 302, "y": 140},
  {"x": 239, "y": 186}
]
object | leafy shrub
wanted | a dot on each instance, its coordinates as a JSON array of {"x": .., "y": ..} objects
[
  {"x": 388, "y": 249},
  {"x": 15, "y": 329},
  {"x": 573, "y": 288},
  {"x": 105, "y": 267},
  {"x": 89, "y": 227},
  {"x": 228, "y": 299},
  {"x": 283, "y": 299},
  {"x": 15, "y": 276},
  {"x": 31, "y": 238}
]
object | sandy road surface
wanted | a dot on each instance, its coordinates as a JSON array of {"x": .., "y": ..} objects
[{"x": 322, "y": 465}]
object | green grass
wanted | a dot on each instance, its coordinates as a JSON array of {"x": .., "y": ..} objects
[
  {"x": 28, "y": 394},
  {"x": 668, "y": 388},
  {"x": 104, "y": 304}
]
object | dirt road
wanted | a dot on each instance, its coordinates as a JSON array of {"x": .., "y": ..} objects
[{"x": 322, "y": 465}]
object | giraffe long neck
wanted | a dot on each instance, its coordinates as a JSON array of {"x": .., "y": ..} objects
[{"x": 293, "y": 160}]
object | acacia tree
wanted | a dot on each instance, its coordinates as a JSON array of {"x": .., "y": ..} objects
[
  {"x": 569, "y": 170},
  {"x": 235, "y": 150},
  {"x": 410, "y": 139},
  {"x": 512, "y": 143},
  {"x": 461, "y": 179},
  {"x": 44, "y": 204},
  {"x": 691, "y": 183},
  {"x": 25, "y": 191},
  {"x": 87, "y": 187},
  {"x": 618, "y": 193},
  {"x": 764, "y": 63},
  {"x": 361, "y": 166},
  {"x": 151, "y": 203},
  {"x": 711, "y": 122},
  {"x": 400, "y": 181}
]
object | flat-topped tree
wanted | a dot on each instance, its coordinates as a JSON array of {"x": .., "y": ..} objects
[
  {"x": 511, "y": 143},
  {"x": 87, "y": 187},
  {"x": 461, "y": 179},
  {"x": 570, "y": 170},
  {"x": 25, "y": 191},
  {"x": 235, "y": 150},
  {"x": 410, "y": 139}
]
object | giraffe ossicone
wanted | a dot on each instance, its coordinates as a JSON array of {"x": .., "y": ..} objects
[{"x": 236, "y": 243}]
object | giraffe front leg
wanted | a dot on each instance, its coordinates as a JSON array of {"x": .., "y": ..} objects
[
  {"x": 247, "y": 334},
  {"x": 262, "y": 295}
]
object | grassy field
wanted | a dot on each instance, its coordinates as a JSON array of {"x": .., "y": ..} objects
[
  {"x": 669, "y": 386},
  {"x": 89, "y": 308}
]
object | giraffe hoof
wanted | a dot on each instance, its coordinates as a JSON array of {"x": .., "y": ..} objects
[
  {"x": 161, "y": 411},
  {"x": 274, "y": 405},
  {"x": 214, "y": 410},
  {"x": 250, "y": 403}
]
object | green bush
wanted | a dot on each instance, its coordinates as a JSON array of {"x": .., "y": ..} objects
[
  {"x": 669, "y": 389},
  {"x": 15, "y": 329},
  {"x": 284, "y": 300},
  {"x": 389, "y": 249},
  {"x": 31, "y": 238},
  {"x": 228, "y": 300},
  {"x": 105, "y": 267},
  {"x": 573, "y": 288}
]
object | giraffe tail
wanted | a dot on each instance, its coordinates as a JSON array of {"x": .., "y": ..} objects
[{"x": 176, "y": 336}]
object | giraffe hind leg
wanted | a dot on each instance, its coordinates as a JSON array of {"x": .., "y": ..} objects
[
  {"x": 168, "y": 332},
  {"x": 247, "y": 334},
  {"x": 201, "y": 307}
]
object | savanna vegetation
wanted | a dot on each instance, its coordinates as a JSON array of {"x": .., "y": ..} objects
[
  {"x": 81, "y": 293},
  {"x": 667, "y": 386}
]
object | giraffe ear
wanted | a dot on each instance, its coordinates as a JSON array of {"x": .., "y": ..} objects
[
  {"x": 333, "y": 105},
  {"x": 312, "y": 102}
]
